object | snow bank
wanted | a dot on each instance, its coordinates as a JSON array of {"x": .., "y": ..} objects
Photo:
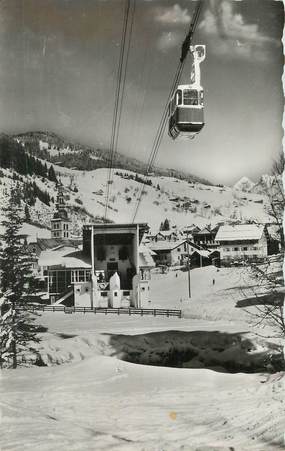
[
  {"x": 105, "y": 404},
  {"x": 227, "y": 352}
]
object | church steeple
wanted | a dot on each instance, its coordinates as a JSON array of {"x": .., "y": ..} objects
[{"x": 60, "y": 221}]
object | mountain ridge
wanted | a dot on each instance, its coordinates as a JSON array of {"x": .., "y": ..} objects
[{"x": 71, "y": 154}]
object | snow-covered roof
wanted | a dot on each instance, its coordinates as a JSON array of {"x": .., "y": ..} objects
[
  {"x": 202, "y": 252},
  {"x": 146, "y": 261},
  {"x": 166, "y": 232},
  {"x": 204, "y": 231},
  {"x": 239, "y": 232},
  {"x": 43, "y": 244},
  {"x": 146, "y": 257},
  {"x": 166, "y": 245},
  {"x": 64, "y": 258}
]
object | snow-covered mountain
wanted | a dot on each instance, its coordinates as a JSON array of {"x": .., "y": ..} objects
[
  {"x": 73, "y": 155},
  {"x": 244, "y": 184},
  {"x": 266, "y": 182},
  {"x": 181, "y": 201}
]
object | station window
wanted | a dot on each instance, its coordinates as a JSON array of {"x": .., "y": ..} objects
[{"x": 81, "y": 276}]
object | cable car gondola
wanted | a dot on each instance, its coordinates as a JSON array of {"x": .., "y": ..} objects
[{"x": 186, "y": 107}]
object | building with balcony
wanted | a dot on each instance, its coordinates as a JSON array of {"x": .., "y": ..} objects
[{"x": 239, "y": 243}]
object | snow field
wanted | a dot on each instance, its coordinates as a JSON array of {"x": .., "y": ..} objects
[
  {"x": 89, "y": 398},
  {"x": 105, "y": 404},
  {"x": 156, "y": 204}
]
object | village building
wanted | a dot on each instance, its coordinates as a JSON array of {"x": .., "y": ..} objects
[
  {"x": 239, "y": 243},
  {"x": 190, "y": 230},
  {"x": 204, "y": 257},
  {"x": 205, "y": 237},
  {"x": 165, "y": 235},
  {"x": 61, "y": 268},
  {"x": 36, "y": 248},
  {"x": 170, "y": 253}
]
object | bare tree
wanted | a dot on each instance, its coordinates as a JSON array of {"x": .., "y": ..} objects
[
  {"x": 264, "y": 300},
  {"x": 268, "y": 292},
  {"x": 274, "y": 192}
]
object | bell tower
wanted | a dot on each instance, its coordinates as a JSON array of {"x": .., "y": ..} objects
[{"x": 60, "y": 223}]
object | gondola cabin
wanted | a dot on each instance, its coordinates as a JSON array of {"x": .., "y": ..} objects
[{"x": 186, "y": 112}]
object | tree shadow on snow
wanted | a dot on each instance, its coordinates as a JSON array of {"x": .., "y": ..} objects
[
  {"x": 276, "y": 299},
  {"x": 218, "y": 351}
]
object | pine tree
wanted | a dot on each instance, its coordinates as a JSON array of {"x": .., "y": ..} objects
[
  {"x": 51, "y": 174},
  {"x": 27, "y": 213},
  {"x": 166, "y": 225},
  {"x": 17, "y": 330}
]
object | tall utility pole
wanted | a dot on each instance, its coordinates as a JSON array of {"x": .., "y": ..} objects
[{"x": 188, "y": 265}]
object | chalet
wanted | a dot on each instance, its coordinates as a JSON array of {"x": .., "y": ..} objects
[
  {"x": 205, "y": 237},
  {"x": 165, "y": 235},
  {"x": 172, "y": 252},
  {"x": 204, "y": 257},
  {"x": 242, "y": 242},
  {"x": 190, "y": 230}
]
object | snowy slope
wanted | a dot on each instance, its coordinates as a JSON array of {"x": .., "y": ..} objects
[
  {"x": 41, "y": 213},
  {"x": 91, "y": 399},
  {"x": 182, "y": 202},
  {"x": 103, "y": 404}
]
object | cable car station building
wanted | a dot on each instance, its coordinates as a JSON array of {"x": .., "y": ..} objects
[
  {"x": 117, "y": 278},
  {"x": 112, "y": 269}
]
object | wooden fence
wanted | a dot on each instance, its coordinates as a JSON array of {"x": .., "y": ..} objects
[{"x": 118, "y": 311}]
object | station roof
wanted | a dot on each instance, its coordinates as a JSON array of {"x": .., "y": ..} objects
[
  {"x": 120, "y": 228},
  {"x": 64, "y": 259}
]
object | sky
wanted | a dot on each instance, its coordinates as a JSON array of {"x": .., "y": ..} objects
[{"x": 59, "y": 62}]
